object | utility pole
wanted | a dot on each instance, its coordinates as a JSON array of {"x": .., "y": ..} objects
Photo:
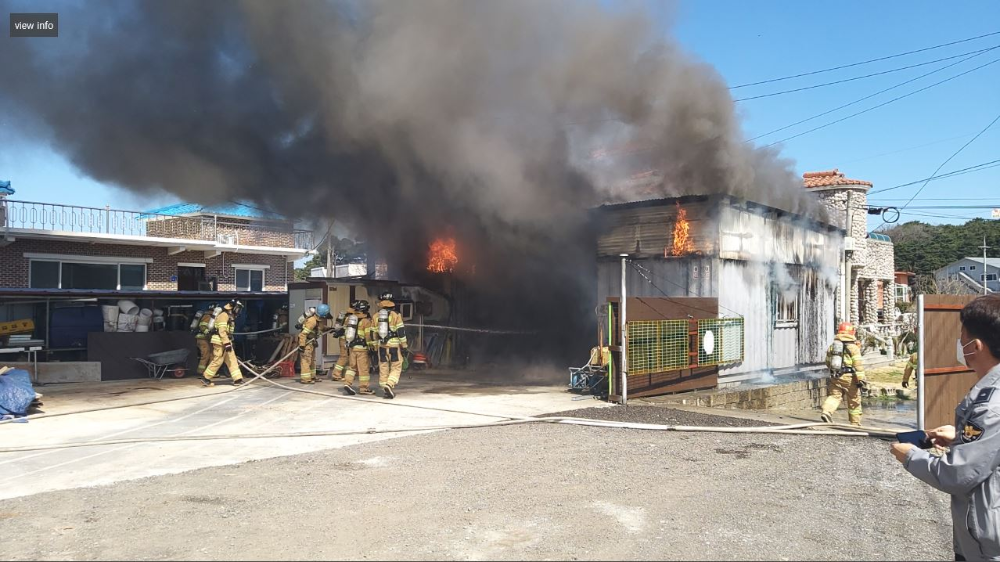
[
  {"x": 986, "y": 289},
  {"x": 624, "y": 332}
]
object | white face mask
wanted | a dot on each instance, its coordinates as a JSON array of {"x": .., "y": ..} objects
[{"x": 960, "y": 351}]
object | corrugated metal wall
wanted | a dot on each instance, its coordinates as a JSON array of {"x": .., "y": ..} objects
[
  {"x": 647, "y": 231},
  {"x": 746, "y": 288},
  {"x": 677, "y": 277}
]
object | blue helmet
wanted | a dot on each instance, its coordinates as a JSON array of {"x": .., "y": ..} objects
[{"x": 323, "y": 310}]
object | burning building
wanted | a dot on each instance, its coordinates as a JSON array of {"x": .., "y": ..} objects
[
  {"x": 500, "y": 141},
  {"x": 771, "y": 271}
]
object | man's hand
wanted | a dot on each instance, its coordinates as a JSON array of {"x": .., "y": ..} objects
[
  {"x": 942, "y": 436},
  {"x": 862, "y": 384},
  {"x": 900, "y": 450},
  {"x": 227, "y": 346},
  {"x": 302, "y": 349}
]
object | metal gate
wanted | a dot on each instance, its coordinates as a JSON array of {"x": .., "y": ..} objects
[{"x": 942, "y": 381}]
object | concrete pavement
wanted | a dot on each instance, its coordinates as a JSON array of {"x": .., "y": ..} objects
[{"x": 425, "y": 399}]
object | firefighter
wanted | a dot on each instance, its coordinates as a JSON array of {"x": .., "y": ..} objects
[
  {"x": 221, "y": 329},
  {"x": 358, "y": 332},
  {"x": 345, "y": 354},
  {"x": 391, "y": 337},
  {"x": 847, "y": 375},
  {"x": 201, "y": 335},
  {"x": 911, "y": 365},
  {"x": 312, "y": 328}
]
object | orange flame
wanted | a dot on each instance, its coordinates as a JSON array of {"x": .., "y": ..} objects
[
  {"x": 682, "y": 234},
  {"x": 442, "y": 257}
]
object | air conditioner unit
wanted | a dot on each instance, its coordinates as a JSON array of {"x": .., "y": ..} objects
[
  {"x": 849, "y": 245},
  {"x": 228, "y": 239}
]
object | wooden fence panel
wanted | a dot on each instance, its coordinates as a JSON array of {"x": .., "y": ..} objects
[{"x": 946, "y": 382}]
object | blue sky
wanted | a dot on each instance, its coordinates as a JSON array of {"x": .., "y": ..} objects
[{"x": 752, "y": 41}]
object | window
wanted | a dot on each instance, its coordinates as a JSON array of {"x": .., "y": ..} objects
[
  {"x": 249, "y": 279},
  {"x": 786, "y": 308},
  {"x": 972, "y": 268},
  {"x": 133, "y": 277},
  {"x": 89, "y": 276},
  {"x": 46, "y": 274},
  {"x": 961, "y": 268},
  {"x": 988, "y": 277}
]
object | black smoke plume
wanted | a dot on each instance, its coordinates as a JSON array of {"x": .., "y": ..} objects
[{"x": 499, "y": 121}]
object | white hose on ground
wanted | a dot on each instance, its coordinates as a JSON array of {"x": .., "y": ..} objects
[
  {"x": 795, "y": 429},
  {"x": 771, "y": 430},
  {"x": 134, "y": 404},
  {"x": 374, "y": 401}
]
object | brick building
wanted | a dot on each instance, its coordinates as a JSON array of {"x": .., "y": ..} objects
[
  {"x": 867, "y": 294},
  {"x": 62, "y": 263},
  {"x": 179, "y": 248}
]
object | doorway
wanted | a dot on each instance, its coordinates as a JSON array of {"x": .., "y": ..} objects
[{"x": 190, "y": 277}]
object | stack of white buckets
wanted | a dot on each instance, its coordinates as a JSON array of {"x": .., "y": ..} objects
[{"x": 127, "y": 317}]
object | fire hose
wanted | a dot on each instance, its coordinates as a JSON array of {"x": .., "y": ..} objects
[
  {"x": 818, "y": 428},
  {"x": 796, "y": 429}
]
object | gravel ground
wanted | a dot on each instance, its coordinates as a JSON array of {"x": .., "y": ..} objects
[
  {"x": 660, "y": 415},
  {"x": 518, "y": 492}
]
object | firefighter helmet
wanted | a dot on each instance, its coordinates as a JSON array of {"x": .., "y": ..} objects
[
  {"x": 236, "y": 306},
  {"x": 362, "y": 307},
  {"x": 385, "y": 296},
  {"x": 323, "y": 310},
  {"x": 846, "y": 328}
]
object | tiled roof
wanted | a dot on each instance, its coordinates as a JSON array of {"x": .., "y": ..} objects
[
  {"x": 829, "y": 178},
  {"x": 241, "y": 210}
]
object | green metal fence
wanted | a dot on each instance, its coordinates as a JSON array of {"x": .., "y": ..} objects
[
  {"x": 726, "y": 338},
  {"x": 657, "y": 346}
]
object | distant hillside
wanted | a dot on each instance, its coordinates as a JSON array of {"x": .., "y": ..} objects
[{"x": 923, "y": 248}]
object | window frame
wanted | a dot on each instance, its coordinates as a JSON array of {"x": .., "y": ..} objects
[
  {"x": 107, "y": 261},
  {"x": 780, "y": 305},
  {"x": 31, "y": 265},
  {"x": 250, "y": 269}
]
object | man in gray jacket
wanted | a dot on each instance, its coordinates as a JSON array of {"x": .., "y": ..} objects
[{"x": 970, "y": 471}]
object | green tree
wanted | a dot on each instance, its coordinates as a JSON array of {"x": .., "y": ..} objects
[
  {"x": 924, "y": 248},
  {"x": 346, "y": 250}
]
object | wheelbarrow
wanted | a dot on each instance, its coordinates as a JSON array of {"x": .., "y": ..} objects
[{"x": 159, "y": 363}]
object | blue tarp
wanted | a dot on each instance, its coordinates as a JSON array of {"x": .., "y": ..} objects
[
  {"x": 16, "y": 393},
  {"x": 5, "y": 188}
]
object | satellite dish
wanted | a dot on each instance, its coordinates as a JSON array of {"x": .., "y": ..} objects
[{"x": 708, "y": 342}]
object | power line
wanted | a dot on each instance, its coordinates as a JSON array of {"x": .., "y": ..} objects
[
  {"x": 883, "y": 104},
  {"x": 959, "y": 172},
  {"x": 869, "y": 96},
  {"x": 956, "y": 153},
  {"x": 939, "y": 141},
  {"x": 854, "y": 78},
  {"x": 863, "y": 62},
  {"x": 941, "y": 199}
]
